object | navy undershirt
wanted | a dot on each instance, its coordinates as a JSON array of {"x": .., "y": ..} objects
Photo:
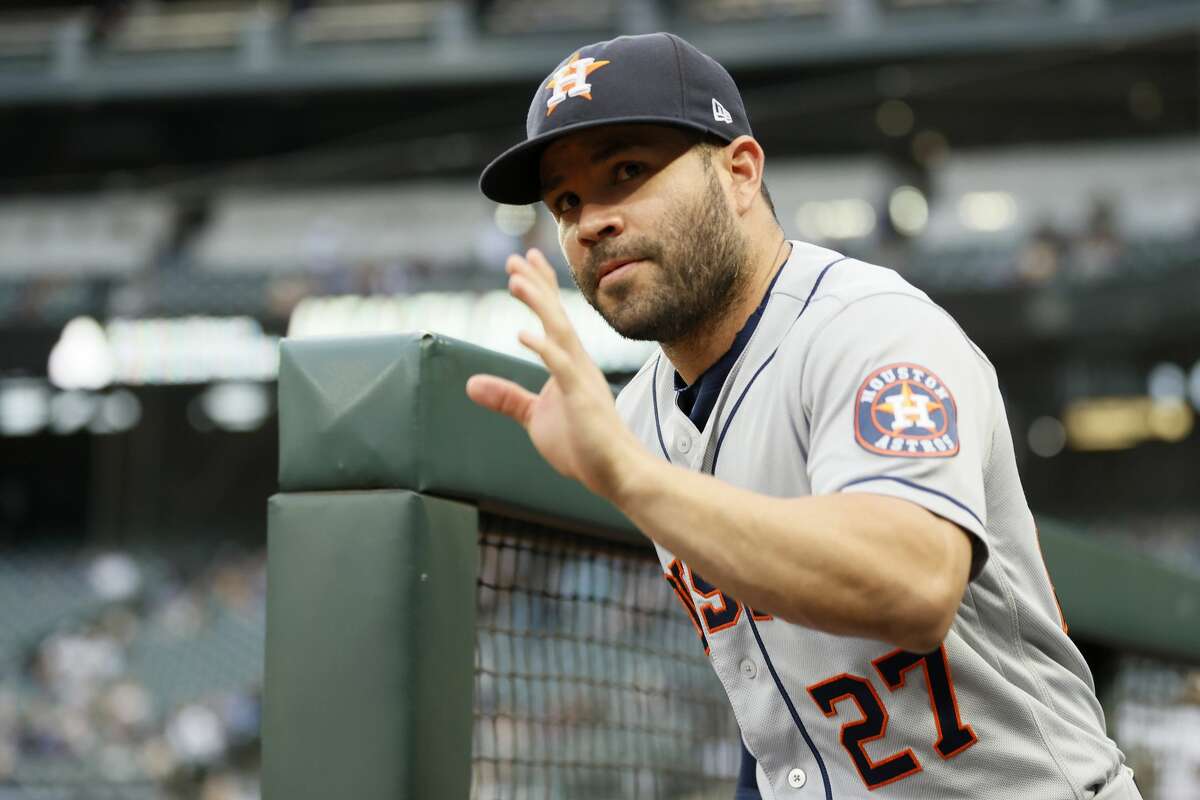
[{"x": 697, "y": 401}]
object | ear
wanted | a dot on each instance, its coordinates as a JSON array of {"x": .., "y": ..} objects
[{"x": 745, "y": 160}]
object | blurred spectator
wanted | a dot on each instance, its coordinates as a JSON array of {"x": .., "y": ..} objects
[
  {"x": 196, "y": 735},
  {"x": 1041, "y": 257},
  {"x": 284, "y": 293},
  {"x": 1095, "y": 253},
  {"x": 101, "y": 700},
  {"x": 192, "y": 215},
  {"x": 109, "y": 16}
]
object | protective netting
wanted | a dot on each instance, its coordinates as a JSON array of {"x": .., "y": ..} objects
[
  {"x": 591, "y": 683},
  {"x": 589, "y": 679}
]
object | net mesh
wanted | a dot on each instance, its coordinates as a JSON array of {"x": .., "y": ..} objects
[{"x": 589, "y": 681}]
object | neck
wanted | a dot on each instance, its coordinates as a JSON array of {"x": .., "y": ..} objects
[{"x": 701, "y": 348}]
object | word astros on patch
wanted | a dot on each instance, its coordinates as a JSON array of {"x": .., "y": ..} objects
[{"x": 906, "y": 410}]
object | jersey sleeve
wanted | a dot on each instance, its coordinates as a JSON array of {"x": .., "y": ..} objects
[{"x": 899, "y": 402}]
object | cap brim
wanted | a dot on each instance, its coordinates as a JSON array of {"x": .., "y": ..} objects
[{"x": 514, "y": 176}]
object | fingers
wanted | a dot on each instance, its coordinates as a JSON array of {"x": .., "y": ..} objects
[
  {"x": 543, "y": 270},
  {"x": 539, "y": 260},
  {"x": 556, "y": 359},
  {"x": 546, "y": 306},
  {"x": 502, "y": 396},
  {"x": 532, "y": 281}
]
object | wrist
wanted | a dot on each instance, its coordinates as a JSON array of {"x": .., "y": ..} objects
[{"x": 632, "y": 471}]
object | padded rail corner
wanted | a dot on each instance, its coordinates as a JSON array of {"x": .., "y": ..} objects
[
  {"x": 391, "y": 412},
  {"x": 370, "y": 646}
]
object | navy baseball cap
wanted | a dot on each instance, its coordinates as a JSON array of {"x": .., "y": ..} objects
[{"x": 652, "y": 78}]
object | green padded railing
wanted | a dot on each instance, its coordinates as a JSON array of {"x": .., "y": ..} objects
[
  {"x": 392, "y": 412},
  {"x": 384, "y": 463},
  {"x": 370, "y": 643}
]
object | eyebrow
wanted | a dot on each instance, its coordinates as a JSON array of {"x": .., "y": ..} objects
[{"x": 606, "y": 151}]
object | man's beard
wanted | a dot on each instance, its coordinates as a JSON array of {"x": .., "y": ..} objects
[{"x": 700, "y": 258}]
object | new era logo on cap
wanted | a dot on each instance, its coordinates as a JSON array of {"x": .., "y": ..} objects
[{"x": 719, "y": 112}]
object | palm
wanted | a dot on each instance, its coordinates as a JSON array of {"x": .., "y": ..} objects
[
  {"x": 572, "y": 421},
  {"x": 550, "y": 430}
]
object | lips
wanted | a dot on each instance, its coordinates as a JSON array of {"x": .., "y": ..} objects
[{"x": 609, "y": 267}]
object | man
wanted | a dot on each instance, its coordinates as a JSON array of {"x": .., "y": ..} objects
[{"x": 818, "y": 452}]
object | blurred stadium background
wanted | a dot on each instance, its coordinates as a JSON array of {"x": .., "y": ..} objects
[{"x": 183, "y": 183}]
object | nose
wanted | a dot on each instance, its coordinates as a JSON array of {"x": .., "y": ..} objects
[{"x": 598, "y": 221}]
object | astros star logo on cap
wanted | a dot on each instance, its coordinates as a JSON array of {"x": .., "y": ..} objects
[{"x": 571, "y": 80}]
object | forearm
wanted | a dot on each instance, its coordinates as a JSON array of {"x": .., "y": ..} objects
[{"x": 848, "y": 564}]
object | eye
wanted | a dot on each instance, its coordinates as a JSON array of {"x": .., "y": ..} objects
[
  {"x": 627, "y": 170},
  {"x": 565, "y": 202}
]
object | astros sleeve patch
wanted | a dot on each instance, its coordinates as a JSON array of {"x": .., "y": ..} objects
[{"x": 906, "y": 410}]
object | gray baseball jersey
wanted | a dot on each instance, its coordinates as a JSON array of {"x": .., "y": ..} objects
[{"x": 854, "y": 381}]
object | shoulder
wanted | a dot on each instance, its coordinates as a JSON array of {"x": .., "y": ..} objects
[
  {"x": 859, "y": 303},
  {"x": 856, "y": 316},
  {"x": 852, "y": 281},
  {"x": 824, "y": 283}
]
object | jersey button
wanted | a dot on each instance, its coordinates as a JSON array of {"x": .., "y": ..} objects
[
  {"x": 684, "y": 444},
  {"x": 749, "y": 669},
  {"x": 797, "y": 778}
]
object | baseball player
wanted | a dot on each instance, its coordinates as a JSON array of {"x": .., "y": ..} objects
[{"x": 818, "y": 452}]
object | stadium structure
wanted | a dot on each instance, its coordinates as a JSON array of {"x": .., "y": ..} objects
[{"x": 184, "y": 183}]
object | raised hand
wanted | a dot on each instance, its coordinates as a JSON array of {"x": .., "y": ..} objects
[{"x": 572, "y": 421}]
